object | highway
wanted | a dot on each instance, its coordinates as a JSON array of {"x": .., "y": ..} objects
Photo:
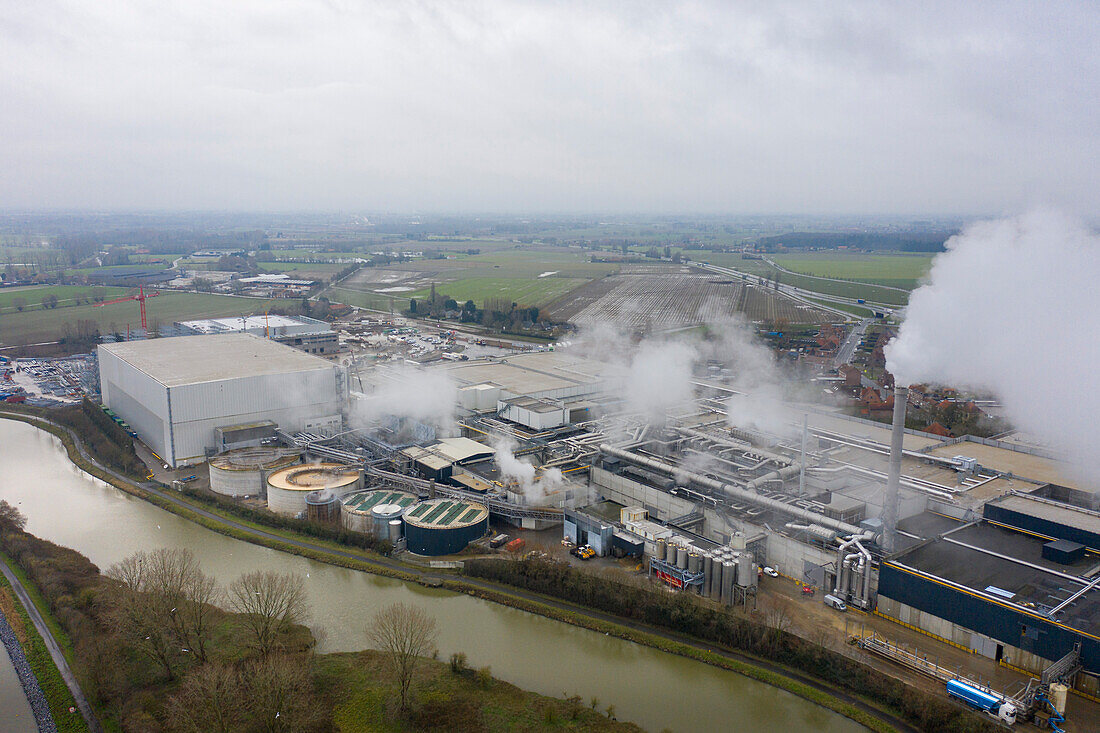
[{"x": 812, "y": 298}]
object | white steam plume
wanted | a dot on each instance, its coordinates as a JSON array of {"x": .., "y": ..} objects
[
  {"x": 660, "y": 378},
  {"x": 427, "y": 396},
  {"x": 1011, "y": 307},
  {"x": 523, "y": 473}
]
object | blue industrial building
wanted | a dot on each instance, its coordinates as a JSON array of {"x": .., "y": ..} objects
[{"x": 1018, "y": 586}]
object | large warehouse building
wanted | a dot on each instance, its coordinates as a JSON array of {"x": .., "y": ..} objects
[{"x": 176, "y": 393}]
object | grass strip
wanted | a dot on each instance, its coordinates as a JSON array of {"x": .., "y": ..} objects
[{"x": 53, "y": 686}]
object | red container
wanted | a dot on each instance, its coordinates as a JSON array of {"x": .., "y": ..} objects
[{"x": 515, "y": 545}]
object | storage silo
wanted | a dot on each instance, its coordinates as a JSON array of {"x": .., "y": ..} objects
[
  {"x": 322, "y": 506},
  {"x": 356, "y": 510},
  {"x": 728, "y": 573},
  {"x": 682, "y": 558},
  {"x": 746, "y": 575},
  {"x": 395, "y": 530},
  {"x": 242, "y": 472},
  {"x": 693, "y": 562},
  {"x": 288, "y": 487},
  {"x": 381, "y": 515},
  {"x": 705, "y": 563},
  {"x": 659, "y": 553},
  {"x": 716, "y": 578},
  {"x": 444, "y": 526}
]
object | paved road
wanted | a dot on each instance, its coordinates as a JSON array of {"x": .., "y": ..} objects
[
  {"x": 55, "y": 650},
  {"x": 897, "y": 723},
  {"x": 779, "y": 267},
  {"x": 848, "y": 348}
]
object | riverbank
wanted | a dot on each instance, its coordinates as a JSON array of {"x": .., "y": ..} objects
[
  {"x": 50, "y": 698},
  {"x": 862, "y": 711},
  {"x": 232, "y": 677}
]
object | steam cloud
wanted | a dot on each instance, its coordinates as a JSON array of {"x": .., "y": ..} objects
[
  {"x": 659, "y": 373},
  {"x": 523, "y": 473},
  {"x": 427, "y": 396},
  {"x": 1011, "y": 307}
]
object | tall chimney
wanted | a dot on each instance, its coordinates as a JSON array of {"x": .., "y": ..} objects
[{"x": 890, "y": 505}]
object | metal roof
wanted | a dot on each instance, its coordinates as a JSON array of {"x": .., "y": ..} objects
[
  {"x": 446, "y": 513},
  {"x": 193, "y": 359}
]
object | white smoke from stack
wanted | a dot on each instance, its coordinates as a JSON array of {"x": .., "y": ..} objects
[
  {"x": 1011, "y": 307},
  {"x": 523, "y": 473},
  {"x": 426, "y": 396}
]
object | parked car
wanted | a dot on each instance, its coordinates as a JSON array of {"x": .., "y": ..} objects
[{"x": 771, "y": 572}]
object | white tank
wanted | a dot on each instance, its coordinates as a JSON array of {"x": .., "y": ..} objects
[
  {"x": 241, "y": 472},
  {"x": 395, "y": 530},
  {"x": 382, "y": 515},
  {"x": 1058, "y": 697},
  {"x": 287, "y": 488}
]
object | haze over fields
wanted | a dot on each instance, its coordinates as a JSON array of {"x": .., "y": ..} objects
[{"x": 573, "y": 106}]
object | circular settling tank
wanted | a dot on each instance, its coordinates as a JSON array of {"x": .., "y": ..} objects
[
  {"x": 241, "y": 472},
  {"x": 287, "y": 488},
  {"x": 444, "y": 526},
  {"x": 355, "y": 514}
]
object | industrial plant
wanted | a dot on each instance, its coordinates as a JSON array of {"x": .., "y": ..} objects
[{"x": 985, "y": 544}]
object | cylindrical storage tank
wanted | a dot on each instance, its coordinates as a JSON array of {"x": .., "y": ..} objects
[
  {"x": 444, "y": 526},
  {"x": 395, "y": 530},
  {"x": 659, "y": 553},
  {"x": 287, "y": 487},
  {"x": 745, "y": 575},
  {"x": 715, "y": 578},
  {"x": 693, "y": 562},
  {"x": 670, "y": 552},
  {"x": 729, "y": 571},
  {"x": 241, "y": 472},
  {"x": 1058, "y": 697},
  {"x": 704, "y": 563},
  {"x": 356, "y": 510},
  {"x": 322, "y": 506},
  {"x": 381, "y": 516},
  {"x": 682, "y": 558}
]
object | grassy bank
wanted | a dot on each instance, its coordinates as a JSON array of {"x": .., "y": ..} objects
[{"x": 45, "y": 671}]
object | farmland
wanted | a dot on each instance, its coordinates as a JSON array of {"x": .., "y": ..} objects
[
  {"x": 49, "y": 325},
  {"x": 658, "y": 297},
  {"x": 899, "y": 271},
  {"x": 527, "y": 276},
  {"x": 66, "y": 295}
]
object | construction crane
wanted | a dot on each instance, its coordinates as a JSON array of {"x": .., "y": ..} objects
[{"x": 140, "y": 297}]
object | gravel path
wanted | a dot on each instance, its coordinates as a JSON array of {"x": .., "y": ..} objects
[{"x": 37, "y": 700}]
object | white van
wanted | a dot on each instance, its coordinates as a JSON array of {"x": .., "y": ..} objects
[{"x": 836, "y": 603}]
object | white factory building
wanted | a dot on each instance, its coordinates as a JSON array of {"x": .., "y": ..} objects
[{"x": 177, "y": 392}]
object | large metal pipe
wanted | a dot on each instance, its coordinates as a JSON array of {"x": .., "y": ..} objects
[
  {"x": 893, "y": 477},
  {"x": 739, "y": 493}
]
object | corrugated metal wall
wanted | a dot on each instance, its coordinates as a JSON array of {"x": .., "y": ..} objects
[
  {"x": 1031, "y": 634},
  {"x": 998, "y": 513},
  {"x": 138, "y": 399},
  {"x": 289, "y": 399}
]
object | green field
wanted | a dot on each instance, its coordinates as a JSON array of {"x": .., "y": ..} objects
[
  {"x": 531, "y": 291},
  {"x": 66, "y": 294},
  {"x": 512, "y": 274},
  {"x": 899, "y": 271},
  {"x": 48, "y": 325}
]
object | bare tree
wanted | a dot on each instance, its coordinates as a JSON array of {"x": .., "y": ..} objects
[
  {"x": 164, "y": 604},
  {"x": 209, "y": 699},
  {"x": 11, "y": 517},
  {"x": 406, "y": 633},
  {"x": 269, "y": 604},
  {"x": 280, "y": 693},
  {"x": 778, "y": 614}
]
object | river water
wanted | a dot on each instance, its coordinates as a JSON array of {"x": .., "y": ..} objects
[{"x": 652, "y": 688}]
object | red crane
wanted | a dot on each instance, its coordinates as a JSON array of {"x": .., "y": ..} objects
[{"x": 140, "y": 297}]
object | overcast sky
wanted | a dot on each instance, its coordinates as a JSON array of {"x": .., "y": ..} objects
[{"x": 968, "y": 107}]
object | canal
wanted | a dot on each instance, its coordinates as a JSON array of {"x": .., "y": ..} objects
[{"x": 654, "y": 689}]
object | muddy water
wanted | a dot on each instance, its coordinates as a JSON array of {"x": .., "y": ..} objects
[{"x": 655, "y": 689}]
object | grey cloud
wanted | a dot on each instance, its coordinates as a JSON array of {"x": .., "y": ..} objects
[{"x": 841, "y": 107}]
